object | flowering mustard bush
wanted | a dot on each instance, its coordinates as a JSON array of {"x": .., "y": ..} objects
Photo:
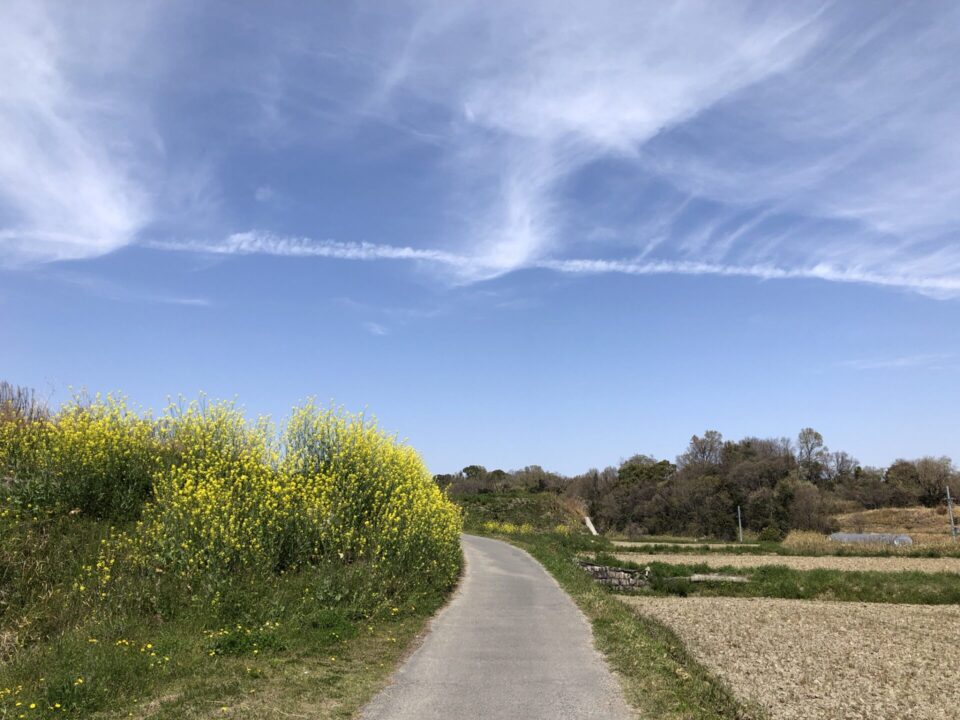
[
  {"x": 97, "y": 458},
  {"x": 331, "y": 489},
  {"x": 371, "y": 496},
  {"x": 217, "y": 495},
  {"x": 221, "y": 506}
]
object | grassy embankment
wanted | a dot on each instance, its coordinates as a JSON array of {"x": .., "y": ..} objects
[
  {"x": 657, "y": 674},
  {"x": 297, "y": 651},
  {"x": 199, "y": 566}
]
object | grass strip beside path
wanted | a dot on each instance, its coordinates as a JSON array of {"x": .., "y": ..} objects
[{"x": 288, "y": 646}]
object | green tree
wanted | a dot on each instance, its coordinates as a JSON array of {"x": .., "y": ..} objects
[
  {"x": 903, "y": 484},
  {"x": 933, "y": 476},
  {"x": 474, "y": 472},
  {"x": 811, "y": 456},
  {"x": 702, "y": 452}
]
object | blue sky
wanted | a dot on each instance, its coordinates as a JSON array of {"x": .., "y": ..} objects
[{"x": 516, "y": 232}]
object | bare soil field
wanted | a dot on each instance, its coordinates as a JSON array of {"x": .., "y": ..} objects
[
  {"x": 814, "y": 660},
  {"x": 798, "y": 562},
  {"x": 712, "y": 546}
]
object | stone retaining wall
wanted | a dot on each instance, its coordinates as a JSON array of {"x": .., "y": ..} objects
[{"x": 615, "y": 576}]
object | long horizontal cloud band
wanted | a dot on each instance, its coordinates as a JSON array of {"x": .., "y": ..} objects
[{"x": 472, "y": 267}]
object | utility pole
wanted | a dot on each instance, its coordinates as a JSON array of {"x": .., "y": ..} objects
[
  {"x": 740, "y": 522},
  {"x": 953, "y": 524}
]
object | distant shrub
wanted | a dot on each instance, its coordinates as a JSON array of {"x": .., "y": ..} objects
[{"x": 770, "y": 533}]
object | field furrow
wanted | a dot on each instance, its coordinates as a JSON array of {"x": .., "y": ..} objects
[{"x": 813, "y": 660}]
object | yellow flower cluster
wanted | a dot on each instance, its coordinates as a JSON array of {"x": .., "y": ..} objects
[
  {"x": 332, "y": 488},
  {"x": 508, "y": 528},
  {"x": 216, "y": 495},
  {"x": 12, "y": 706},
  {"x": 371, "y": 498},
  {"x": 96, "y": 457}
]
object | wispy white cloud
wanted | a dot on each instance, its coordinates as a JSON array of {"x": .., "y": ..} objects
[
  {"x": 75, "y": 150},
  {"x": 375, "y": 328},
  {"x": 110, "y": 290},
  {"x": 784, "y": 115},
  {"x": 799, "y": 140},
  {"x": 538, "y": 93},
  {"x": 258, "y": 243},
  {"x": 855, "y": 134},
  {"x": 932, "y": 286},
  {"x": 934, "y": 361},
  {"x": 457, "y": 266}
]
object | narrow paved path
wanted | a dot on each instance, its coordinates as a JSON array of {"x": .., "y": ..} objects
[{"x": 510, "y": 645}]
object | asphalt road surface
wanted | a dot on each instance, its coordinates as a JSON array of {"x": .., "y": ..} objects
[{"x": 510, "y": 645}]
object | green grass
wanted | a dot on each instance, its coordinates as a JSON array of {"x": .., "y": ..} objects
[
  {"x": 658, "y": 675},
  {"x": 324, "y": 662},
  {"x": 780, "y": 582},
  {"x": 39, "y": 561},
  {"x": 291, "y": 646}
]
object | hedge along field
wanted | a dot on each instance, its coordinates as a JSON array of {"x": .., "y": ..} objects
[{"x": 200, "y": 513}]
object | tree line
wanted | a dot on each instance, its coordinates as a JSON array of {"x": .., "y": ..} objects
[{"x": 780, "y": 484}]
